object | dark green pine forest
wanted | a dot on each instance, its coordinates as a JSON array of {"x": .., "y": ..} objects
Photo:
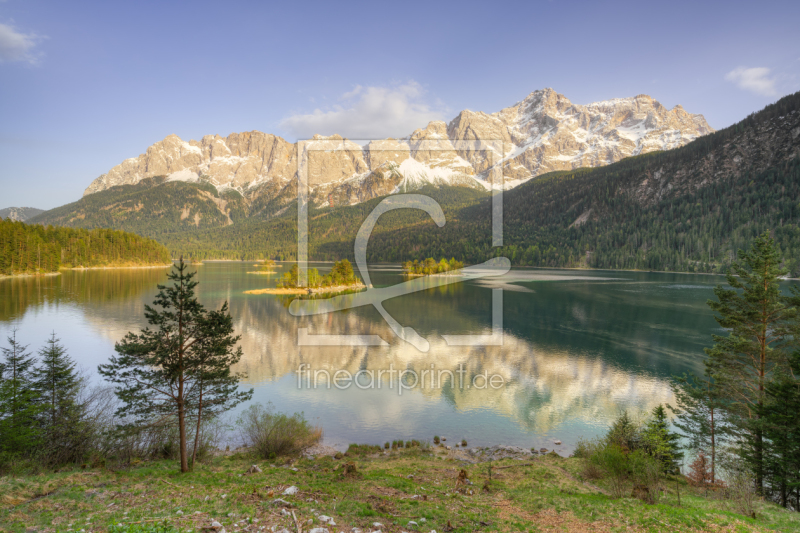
[
  {"x": 33, "y": 248},
  {"x": 689, "y": 210}
]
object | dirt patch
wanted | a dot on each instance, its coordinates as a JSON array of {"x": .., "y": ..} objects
[
  {"x": 559, "y": 521},
  {"x": 320, "y": 450}
]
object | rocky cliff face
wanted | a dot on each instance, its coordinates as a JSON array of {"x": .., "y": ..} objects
[
  {"x": 20, "y": 214},
  {"x": 542, "y": 133},
  {"x": 547, "y": 132}
]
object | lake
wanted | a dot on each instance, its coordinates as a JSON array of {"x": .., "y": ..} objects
[{"x": 578, "y": 347}]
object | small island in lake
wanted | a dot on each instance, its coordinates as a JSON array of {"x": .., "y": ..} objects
[
  {"x": 429, "y": 267},
  {"x": 340, "y": 278},
  {"x": 267, "y": 267}
]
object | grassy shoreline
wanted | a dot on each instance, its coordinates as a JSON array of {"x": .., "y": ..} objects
[
  {"x": 534, "y": 493},
  {"x": 119, "y": 267},
  {"x": 65, "y": 268}
]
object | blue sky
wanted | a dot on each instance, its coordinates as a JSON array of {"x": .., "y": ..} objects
[{"x": 84, "y": 85}]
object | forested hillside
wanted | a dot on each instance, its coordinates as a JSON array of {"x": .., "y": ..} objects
[
  {"x": 150, "y": 208},
  {"x": 30, "y": 248},
  {"x": 331, "y": 231},
  {"x": 697, "y": 232}
]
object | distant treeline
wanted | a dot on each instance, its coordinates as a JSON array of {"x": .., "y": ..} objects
[{"x": 31, "y": 249}]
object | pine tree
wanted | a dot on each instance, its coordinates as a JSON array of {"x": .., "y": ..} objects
[
  {"x": 780, "y": 417},
  {"x": 661, "y": 443},
  {"x": 62, "y": 415},
  {"x": 698, "y": 414},
  {"x": 19, "y": 406},
  {"x": 624, "y": 433},
  {"x": 215, "y": 388},
  {"x": 56, "y": 381},
  {"x": 182, "y": 365},
  {"x": 744, "y": 362}
]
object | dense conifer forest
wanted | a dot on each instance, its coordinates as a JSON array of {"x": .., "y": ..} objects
[{"x": 32, "y": 249}]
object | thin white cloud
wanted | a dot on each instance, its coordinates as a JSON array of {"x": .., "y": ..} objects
[
  {"x": 355, "y": 92},
  {"x": 369, "y": 113},
  {"x": 756, "y": 80},
  {"x": 17, "y": 46}
]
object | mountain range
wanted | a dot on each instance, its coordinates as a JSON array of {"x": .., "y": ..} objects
[
  {"x": 542, "y": 133},
  {"x": 586, "y": 193}
]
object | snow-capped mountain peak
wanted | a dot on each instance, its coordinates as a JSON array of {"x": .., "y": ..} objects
[{"x": 543, "y": 132}]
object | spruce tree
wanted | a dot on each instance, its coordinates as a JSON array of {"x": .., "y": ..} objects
[
  {"x": 624, "y": 432},
  {"x": 780, "y": 417},
  {"x": 698, "y": 415},
  {"x": 56, "y": 381},
  {"x": 19, "y": 406},
  {"x": 758, "y": 319},
  {"x": 62, "y": 417},
  {"x": 661, "y": 443},
  {"x": 180, "y": 367}
]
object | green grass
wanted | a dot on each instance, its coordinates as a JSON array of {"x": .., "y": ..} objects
[{"x": 540, "y": 494}]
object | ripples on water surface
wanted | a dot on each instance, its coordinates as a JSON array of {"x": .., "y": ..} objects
[{"x": 578, "y": 346}]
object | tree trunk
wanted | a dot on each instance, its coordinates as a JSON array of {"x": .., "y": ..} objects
[
  {"x": 182, "y": 427},
  {"x": 762, "y": 371},
  {"x": 713, "y": 449},
  {"x": 759, "y": 462},
  {"x": 181, "y": 399},
  {"x": 784, "y": 501},
  {"x": 199, "y": 418}
]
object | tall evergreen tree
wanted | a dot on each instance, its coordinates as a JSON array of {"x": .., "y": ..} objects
[
  {"x": 62, "y": 415},
  {"x": 698, "y": 414},
  {"x": 780, "y": 417},
  {"x": 56, "y": 381},
  {"x": 215, "y": 388},
  {"x": 758, "y": 319},
  {"x": 182, "y": 365},
  {"x": 19, "y": 406}
]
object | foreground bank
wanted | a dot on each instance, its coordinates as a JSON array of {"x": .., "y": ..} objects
[{"x": 419, "y": 489}]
